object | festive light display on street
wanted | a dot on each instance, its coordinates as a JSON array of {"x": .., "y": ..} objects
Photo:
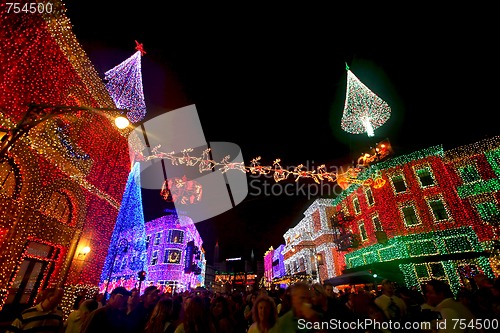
[
  {"x": 124, "y": 83},
  {"x": 364, "y": 111}
]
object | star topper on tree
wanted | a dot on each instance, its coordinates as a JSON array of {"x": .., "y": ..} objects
[
  {"x": 140, "y": 47},
  {"x": 364, "y": 111}
]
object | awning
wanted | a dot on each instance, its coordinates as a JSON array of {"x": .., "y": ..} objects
[
  {"x": 361, "y": 277},
  {"x": 390, "y": 269}
]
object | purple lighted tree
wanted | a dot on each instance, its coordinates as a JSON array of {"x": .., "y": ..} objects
[
  {"x": 124, "y": 84},
  {"x": 364, "y": 111}
]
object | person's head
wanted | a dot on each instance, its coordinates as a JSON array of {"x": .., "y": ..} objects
[
  {"x": 375, "y": 313},
  {"x": 197, "y": 315},
  {"x": 41, "y": 296},
  {"x": 162, "y": 313},
  {"x": 133, "y": 299},
  {"x": 387, "y": 287},
  {"x": 329, "y": 289},
  {"x": 436, "y": 290},
  {"x": 253, "y": 297},
  {"x": 118, "y": 298},
  {"x": 301, "y": 296},
  {"x": 52, "y": 299},
  {"x": 150, "y": 297},
  {"x": 221, "y": 307},
  {"x": 262, "y": 291},
  {"x": 264, "y": 311},
  {"x": 88, "y": 305},
  {"x": 185, "y": 302},
  {"x": 318, "y": 295}
]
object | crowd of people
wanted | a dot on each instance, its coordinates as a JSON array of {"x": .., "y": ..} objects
[{"x": 302, "y": 307}]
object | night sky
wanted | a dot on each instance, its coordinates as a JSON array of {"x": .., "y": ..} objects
[{"x": 274, "y": 84}]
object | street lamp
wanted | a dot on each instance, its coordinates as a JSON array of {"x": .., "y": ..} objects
[
  {"x": 121, "y": 246},
  {"x": 38, "y": 113}
]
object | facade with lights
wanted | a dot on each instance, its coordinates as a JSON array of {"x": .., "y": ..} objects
[
  {"x": 437, "y": 216},
  {"x": 174, "y": 259},
  {"x": 61, "y": 183},
  {"x": 268, "y": 267},
  {"x": 278, "y": 262},
  {"x": 308, "y": 252}
]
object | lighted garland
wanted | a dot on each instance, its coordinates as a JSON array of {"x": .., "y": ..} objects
[{"x": 279, "y": 173}]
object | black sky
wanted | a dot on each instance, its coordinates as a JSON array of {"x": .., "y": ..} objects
[{"x": 274, "y": 84}]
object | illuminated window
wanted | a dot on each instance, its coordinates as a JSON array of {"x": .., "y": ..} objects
[
  {"x": 437, "y": 270},
  {"x": 154, "y": 258},
  {"x": 410, "y": 216},
  {"x": 175, "y": 236},
  {"x": 422, "y": 271},
  {"x": 157, "y": 238},
  {"x": 362, "y": 232},
  {"x": 148, "y": 241},
  {"x": 302, "y": 264},
  {"x": 376, "y": 223},
  {"x": 438, "y": 210},
  {"x": 355, "y": 203},
  {"x": 58, "y": 206},
  {"x": 172, "y": 256},
  {"x": 398, "y": 183},
  {"x": 425, "y": 177},
  {"x": 469, "y": 174},
  {"x": 369, "y": 196}
]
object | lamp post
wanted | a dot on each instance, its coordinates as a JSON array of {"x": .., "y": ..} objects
[
  {"x": 38, "y": 113},
  {"x": 123, "y": 246}
]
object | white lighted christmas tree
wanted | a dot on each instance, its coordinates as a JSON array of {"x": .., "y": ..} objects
[
  {"x": 124, "y": 84},
  {"x": 364, "y": 111}
]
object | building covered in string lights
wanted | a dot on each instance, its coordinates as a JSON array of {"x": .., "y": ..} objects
[
  {"x": 308, "y": 252},
  {"x": 175, "y": 258},
  {"x": 437, "y": 216},
  {"x": 268, "y": 267},
  {"x": 62, "y": 183},
  {"x": 278, "y": 262}
]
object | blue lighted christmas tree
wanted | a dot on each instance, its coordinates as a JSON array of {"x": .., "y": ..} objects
[
  {"x": 127, "y": 249},
  {"x": 124, "y": 84}
]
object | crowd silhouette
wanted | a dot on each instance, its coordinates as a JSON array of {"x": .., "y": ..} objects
[{"x": 301, "y": 307}]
